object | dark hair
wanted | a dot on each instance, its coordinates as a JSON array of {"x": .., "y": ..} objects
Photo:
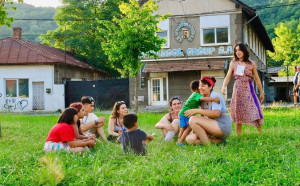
[
  {"x": 172, "y": 99},
  {"x": 68, "y": 116},
  {"x": 204, "y": 81},
  {"x": 87, "y": 99},
  {"x": 116, "y": 108},
  {"x": 194, "y": 85},
  {"x": 244, "y": 49},
  {"x": 76, "y": 105},
  {"x": 129, "y": 120}
]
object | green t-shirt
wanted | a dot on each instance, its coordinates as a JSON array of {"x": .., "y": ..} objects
[{"x": 191, "y": 103}]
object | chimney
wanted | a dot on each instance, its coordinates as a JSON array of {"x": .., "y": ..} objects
[{"x": 17, "y": 33}]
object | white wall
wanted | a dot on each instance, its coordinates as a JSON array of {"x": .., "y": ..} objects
[{"x": 34, "y": 73}]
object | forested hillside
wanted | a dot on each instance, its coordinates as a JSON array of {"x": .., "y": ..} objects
[
  {"x": 31, "y": 29},
  {"x": 272, "y": 12}
]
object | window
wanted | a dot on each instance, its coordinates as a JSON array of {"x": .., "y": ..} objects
[
  {"x": 23, "y": 88},
  {"x": 163, "y": 35},
  {"x": 215, "y": 30},
  {"x": 17, "y": 88},
  {"x": 164, "y": 32},
  {"x": 11, "y": 88},
  {"x": 215, "y": 35}
]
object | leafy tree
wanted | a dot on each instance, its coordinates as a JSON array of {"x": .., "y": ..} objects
[
  {"x": 77, "y": 27},
  {"x": 6, "y": 5},
  {"x": 131, "y": 35},
  {"x": 287, "y": 47}
]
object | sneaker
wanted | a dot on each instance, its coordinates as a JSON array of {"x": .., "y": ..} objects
[{"x": 169, "y": 136}]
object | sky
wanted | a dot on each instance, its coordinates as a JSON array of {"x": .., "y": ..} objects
[{"x": 44, "y": 3}]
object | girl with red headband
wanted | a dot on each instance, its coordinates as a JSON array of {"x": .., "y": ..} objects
[
  {"x": 244, "y": 107},
  {"x": 214, "y": 124}
]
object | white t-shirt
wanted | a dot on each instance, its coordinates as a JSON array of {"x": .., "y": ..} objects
[{"x": 91, "y": 117}]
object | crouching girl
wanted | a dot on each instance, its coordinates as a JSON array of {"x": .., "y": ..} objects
[{"x": 62, "y": 136}]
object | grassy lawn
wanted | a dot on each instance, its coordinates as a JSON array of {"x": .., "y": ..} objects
[{"x": 269, "y": 159}]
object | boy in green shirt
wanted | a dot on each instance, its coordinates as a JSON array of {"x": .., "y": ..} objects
[{"x": 192, "y": 103}]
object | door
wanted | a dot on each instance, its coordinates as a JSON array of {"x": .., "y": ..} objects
[
  {"x": 159, "y": 93},
  {"x": 38, "y": 100}
]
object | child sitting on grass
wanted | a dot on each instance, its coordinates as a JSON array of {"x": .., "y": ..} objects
[
  {"x": 134, "y": 138},
  {"x": 62, "y": 136},
  {"x": 193, "y": 102}
]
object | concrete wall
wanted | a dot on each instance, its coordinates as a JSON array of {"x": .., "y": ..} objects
[{"x": 34, "y": 73}]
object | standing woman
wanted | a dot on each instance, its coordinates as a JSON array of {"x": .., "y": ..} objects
[
  {"x": 244, "y": 107},
  {"x": 169, "y": 124},
  {"x": 115, "y": 123}
]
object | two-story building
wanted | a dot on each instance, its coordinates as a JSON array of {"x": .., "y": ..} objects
[{"x": 200, "y": 38}]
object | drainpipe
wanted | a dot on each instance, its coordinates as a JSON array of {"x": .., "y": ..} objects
[{"x": 243, "y": 27}]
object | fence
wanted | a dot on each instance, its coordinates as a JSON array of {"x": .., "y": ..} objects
[{"x": 105, "y": 91}]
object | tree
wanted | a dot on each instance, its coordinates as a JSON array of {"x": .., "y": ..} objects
[
  {"x": 6, "y": 5},
  {"x": 132, "y": 35},
  {"x": 77, "y": 27},
  {"x": 287, "y": 45}
]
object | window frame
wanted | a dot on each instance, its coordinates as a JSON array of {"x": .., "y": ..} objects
[
  {"x": 215, "y": 36},
  {"x": 167, "y": 44},
  {"x": 17, "y": 87}
]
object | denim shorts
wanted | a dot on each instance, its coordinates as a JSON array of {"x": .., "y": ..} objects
[
  {"x": 225, "y": 124},
  {"x": 183, "y": 121}
]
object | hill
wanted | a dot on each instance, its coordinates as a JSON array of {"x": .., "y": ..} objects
[{"x": 31, "y": 29}]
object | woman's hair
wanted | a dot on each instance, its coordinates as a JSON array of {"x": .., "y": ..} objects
[
  {"x": 244, "y": 49},
  {"x": 68, "y": 116},
  {"x": 76, "y": 105},
  {"x": 87, "y": 99},
  {"x": 116, "y": 108},
  {"x": 172, "y": 99},
  {"x": 210, "y": 81}
]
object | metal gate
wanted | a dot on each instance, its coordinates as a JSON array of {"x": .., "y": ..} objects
[
  {"x": 105, "y": 91},
  {"x": 38, "y": 100}
]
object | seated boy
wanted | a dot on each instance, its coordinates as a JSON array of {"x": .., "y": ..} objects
[
  {"x": 192, "y": 103},
  {"x": 91, "y": 124},
  {"x": 134, "y": 138}
]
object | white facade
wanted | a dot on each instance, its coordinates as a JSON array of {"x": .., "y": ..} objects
[{"x": 24, "y": 78}]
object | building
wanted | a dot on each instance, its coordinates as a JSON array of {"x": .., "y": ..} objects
[
  {"x": 280, "y": 88},
  {"x": 32, "y": 75},
  {"x": 200, "y": 37}
]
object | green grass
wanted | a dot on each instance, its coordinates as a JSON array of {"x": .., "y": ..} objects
[{"x": 270, "y": 159}]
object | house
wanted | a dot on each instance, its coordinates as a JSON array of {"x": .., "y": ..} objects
[
  {"x": 32, "y": 75},
  {"x": 280, "y": 88},
  {"x": 200, "y": 38}
]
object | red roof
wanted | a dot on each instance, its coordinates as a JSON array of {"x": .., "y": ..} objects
[{"x": 17, "y": 51}]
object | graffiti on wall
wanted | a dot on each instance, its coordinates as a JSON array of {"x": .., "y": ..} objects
[{"x": 13, "y": 104}]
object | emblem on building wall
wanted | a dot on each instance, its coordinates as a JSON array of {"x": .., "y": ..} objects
[{"x": 188, "y": 32}]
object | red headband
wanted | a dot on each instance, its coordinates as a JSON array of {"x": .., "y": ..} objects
[{"x": 209, "y": 81}]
